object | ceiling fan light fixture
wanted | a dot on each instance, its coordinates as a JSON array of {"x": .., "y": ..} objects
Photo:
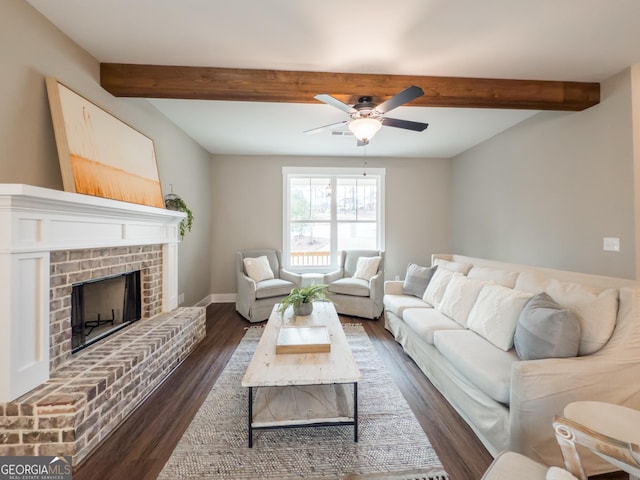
[{"x": 365, "y": 128}]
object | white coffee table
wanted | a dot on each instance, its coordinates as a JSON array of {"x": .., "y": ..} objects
[{"x": 302, "y": 389}]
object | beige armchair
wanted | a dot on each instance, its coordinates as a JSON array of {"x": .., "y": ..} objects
[
  {"x": 255, "y": 299},
  {"x": 358, "y": 291}
]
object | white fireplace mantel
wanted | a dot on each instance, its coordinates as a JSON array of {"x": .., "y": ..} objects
[{"x": 35, "y": 221}]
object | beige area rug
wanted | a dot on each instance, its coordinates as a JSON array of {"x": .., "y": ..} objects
[{"x": 391, "y": 446}]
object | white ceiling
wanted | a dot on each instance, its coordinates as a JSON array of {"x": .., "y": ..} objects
[{"x": 570, "y": 40}]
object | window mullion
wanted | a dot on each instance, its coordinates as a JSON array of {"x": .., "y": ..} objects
[{"x": 334, "y": 221}]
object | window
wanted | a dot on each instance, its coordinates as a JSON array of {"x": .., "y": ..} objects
[{"x": 327, "y": 210}]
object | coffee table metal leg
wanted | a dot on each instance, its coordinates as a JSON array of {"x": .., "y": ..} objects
[
  {"x": 250, "y": 417},
  {"x": 355, "y": 411}
]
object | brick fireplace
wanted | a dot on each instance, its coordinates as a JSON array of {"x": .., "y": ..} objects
[
  {"x": 34, "y": 222},
  {"x": 53, "y": 402},
  {"x": 69, "y": 267}
]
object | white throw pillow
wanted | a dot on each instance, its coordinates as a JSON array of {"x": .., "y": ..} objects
[
  {"x": 438, "y": 285},
  {"x": 495, "y": 314},
  {"x": 501, "y": 277},
  {"x": 258, "y": 268},
  {"x": 463, "y": 268},
  {"x": 596, "y": 309},
  {"x": 459, "y": 298},
  {"x": 367, "y": 267}
]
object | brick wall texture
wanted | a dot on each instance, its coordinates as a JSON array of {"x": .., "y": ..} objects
[
  {"x": 76, "y": 266},
  {"x": 90, "y": 393},
  {"x": 86, "y": 399}
]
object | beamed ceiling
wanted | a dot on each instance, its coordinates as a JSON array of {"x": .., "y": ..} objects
[
  {"x": 239, "y": 77},
  {"x": 233, "y": 84}
]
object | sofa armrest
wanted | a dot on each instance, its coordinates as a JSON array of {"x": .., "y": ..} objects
[
  {"x": 393, "y": 287},
  {"x": 541, "y": 389}
]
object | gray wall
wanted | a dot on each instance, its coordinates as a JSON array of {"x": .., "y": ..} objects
[
  {"x": 547, "y": 191},
  {"x": 32, "y": 49},
  {"x": 247, "y": 209}
]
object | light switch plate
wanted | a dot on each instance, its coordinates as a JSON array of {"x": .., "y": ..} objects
[{"x": 611, "y": 244}]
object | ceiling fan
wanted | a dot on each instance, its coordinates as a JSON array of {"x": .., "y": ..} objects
[{"x": 366, "y": 118}]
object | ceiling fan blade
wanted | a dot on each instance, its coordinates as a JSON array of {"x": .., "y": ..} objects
[
  {"x": 334, "y": 102},
  {"x": 331, "y": 126},
  {"x": 406, "y": 124},
  {"x": 401, "y": 98}
]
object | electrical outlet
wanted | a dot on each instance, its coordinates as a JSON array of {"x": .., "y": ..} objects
[
  {"x": 181, "y": 299},
  {"x": 611, "y": 244}
]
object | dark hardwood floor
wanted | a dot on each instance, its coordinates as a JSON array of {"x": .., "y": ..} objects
[{"x": 139, "y": 448}]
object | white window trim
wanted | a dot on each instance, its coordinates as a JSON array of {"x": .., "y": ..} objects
[{"x": 327, "y": 172}]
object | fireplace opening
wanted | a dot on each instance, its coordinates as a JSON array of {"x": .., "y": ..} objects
[{"x": 103, "y": 306}]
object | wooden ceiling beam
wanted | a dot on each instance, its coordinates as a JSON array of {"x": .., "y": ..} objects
[{"x": 210, "y": 83}]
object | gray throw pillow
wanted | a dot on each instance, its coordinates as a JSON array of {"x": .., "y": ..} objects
[
  {"x": 546, "y": 330},
  {"x": 417, "y": 279}
]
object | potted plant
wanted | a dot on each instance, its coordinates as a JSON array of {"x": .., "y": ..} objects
[
  {"x": 302, "y": 299},
  {"x": 175, "y": 202}
]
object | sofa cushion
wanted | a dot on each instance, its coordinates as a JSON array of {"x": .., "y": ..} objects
[
  {"x": 459, "y": 298},
  {"x": 367, "y": 267},
  {"x": 425, "y": 321},
  {"x": 596, "y": 309},
  {"x": 397, "y": 304},
  {"x": 501, "y": 277},
  {"x": 258, "y": 268},
  {"x": 488, "y": 367},
  {"x": 350, "y": 286},
  {"x": 417, "y": 279},
  {"x": 532, "y": 282},
  {"x": 459, "y": 267},
  {"x": 546, "y": 330},
  {"x": 273, "y": 287},
  {"x": 495, "y": 314},
  {"x": 438, "y": 285}
]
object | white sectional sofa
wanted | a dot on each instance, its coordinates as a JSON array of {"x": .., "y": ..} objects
[{"x": 460, "y": 333}]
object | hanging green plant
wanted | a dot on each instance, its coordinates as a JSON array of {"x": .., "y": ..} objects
[{"x": 174, "y": 202}]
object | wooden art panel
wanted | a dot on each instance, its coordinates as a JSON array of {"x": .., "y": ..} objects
[{"x": 99, "y": 154}]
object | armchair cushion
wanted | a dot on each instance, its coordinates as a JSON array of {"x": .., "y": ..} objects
[
  {"x": 350, "y": 286},
  {"x": 258, "y": 268},
  {"x": 273, "y": 287},
  {"x": 367, "y": 267}
]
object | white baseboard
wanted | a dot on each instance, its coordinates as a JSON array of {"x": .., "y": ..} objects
[
  {"x": 222, "y": 298},
  {"x": 204, "y": 302}
]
